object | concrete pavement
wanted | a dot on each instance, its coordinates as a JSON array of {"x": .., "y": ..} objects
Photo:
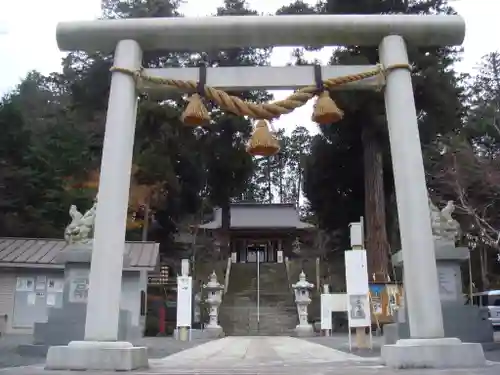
[
  {"x": 263, "y": 356},
  {"x": 252, "y": 351}
]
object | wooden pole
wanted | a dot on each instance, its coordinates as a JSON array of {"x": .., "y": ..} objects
[
  {"x": 470, "y": 278},
  {"x": 145, "y": 223}
]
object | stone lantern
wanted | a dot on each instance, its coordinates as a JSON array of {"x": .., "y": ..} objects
[
  {"x": 214, "y": 298},
  {"x": 302, "y": 291}
]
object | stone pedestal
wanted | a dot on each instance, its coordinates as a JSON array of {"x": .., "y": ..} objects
[
  {"x": 433, "y": 353},
  {"x": 304, "y": 330},
  {"x": 465, "y": 326},
  {"x": 205, "y": 333},
  {"x": 465, "y": 322},
  {"x": 94, "y": 355},
  {"x": 67, "y": 324},
  {"x": 63, "y": 334}
]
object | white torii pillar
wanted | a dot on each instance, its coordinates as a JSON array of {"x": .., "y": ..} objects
[
  {"x": 388, "y": 31},
  {"x": 105, "y": 280},
  {"x": 425, "y": 319}
]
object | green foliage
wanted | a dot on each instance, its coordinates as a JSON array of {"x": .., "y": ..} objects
[
  {"x": 483, "y": 118},
  {"x": 334, "y": 179},
  {"x": 54, "y": 127},
  {"x": 35, "y": 161},
  {"x": 278, "y": 178}
]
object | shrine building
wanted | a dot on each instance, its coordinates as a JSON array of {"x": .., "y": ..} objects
[{"x": 266, "y": 231}]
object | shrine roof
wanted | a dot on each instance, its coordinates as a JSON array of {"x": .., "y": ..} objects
[
  {"x": 260, "y": 216},
  {"x": 42, "y": 253}
]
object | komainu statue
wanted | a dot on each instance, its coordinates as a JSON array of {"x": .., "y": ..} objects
[
  {"x": 443, "y": 225},
  {"x": 81, "y": 228}
]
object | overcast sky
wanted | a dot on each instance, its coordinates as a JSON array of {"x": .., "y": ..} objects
[{"x": 27, "y": 36}]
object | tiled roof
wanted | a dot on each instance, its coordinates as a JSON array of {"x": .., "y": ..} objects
[
  {"x": 260, "y": 216},
  {"x": 40, "y": 251}
]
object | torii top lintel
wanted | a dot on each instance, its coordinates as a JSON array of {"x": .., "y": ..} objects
[{"x": 205, "y": 33}]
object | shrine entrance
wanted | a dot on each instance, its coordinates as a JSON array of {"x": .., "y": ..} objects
[
  {"x": 390, "y": 33},
  {"x": 257, "y": 252}
]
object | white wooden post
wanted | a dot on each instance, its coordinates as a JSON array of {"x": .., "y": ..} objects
[
  {"x": 421, "y": 280},
  {"x": 106, "y": 269}
]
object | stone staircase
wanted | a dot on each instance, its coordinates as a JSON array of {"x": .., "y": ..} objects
[{"x": 278, "y": 313}]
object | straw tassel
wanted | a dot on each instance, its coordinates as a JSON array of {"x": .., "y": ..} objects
[
  {"x": 325, "y": 110},
  {"x": 195, "y": 114},
  {"x": 262, "y": 142}
]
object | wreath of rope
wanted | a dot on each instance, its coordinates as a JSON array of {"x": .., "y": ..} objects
[{"x": 267, "y": 111}]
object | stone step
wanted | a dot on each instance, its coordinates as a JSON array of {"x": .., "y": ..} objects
[
  {"x": 264, "y": 310},
  {"x": 263, "y": 300},
  {"x": 278, "y": 312}
]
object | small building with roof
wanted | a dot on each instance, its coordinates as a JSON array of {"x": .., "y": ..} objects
[
  {"x": 31, "y": 281},
  {"x": 260, "y": 230}
]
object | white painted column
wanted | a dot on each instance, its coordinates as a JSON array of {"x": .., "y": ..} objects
[
  {"x": 420, "y": 272},
  {"x": 109, "y": 238}
]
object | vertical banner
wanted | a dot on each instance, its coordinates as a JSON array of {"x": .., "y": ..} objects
[
  {"x": 358, "y": 303},
  {"x": 326, "y": 311},
  {"x": 184, "y": 301}
]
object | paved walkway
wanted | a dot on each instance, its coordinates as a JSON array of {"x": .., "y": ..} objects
[
  {"x": 263, "y": 356},
  {"x": 281, "y": 355},
  {"x": 254, "y": 351}
]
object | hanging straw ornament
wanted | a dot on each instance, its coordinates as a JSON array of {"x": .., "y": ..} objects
[
  {"x": 325, "y": 110},
  {"x": 263, "y": 142},
  {"x": 196, "y": 114}
]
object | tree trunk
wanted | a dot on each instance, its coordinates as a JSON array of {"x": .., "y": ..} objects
[
  {"x": 280, "y": 181},
  {"x": 226, "y": 230},
  {"x": 269, "y": 180},
  {"x": 299, "y": 181},
  {"x": 145, "y": 225},
  {"x": 484, "y": 267},
  {"x": 377, "y": 245}
]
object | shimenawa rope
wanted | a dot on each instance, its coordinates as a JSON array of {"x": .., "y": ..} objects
[{"x": 267, "y": 111}]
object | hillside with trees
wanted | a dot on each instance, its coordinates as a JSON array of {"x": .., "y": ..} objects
[{"x": 53, "y": 125}]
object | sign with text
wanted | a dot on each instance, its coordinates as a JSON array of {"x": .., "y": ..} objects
[
  {"x": 326, "y": 312},
  {"x": 356, "y": 272},
  {"x": 447, "y": 283},
  {"x": 359, "y": 311},
  {"x": 184, "y": 300},
  {"x": 79, "y": 290},
  {"x": 358, "y": 302},
  {"x": 25, "y": 284}
]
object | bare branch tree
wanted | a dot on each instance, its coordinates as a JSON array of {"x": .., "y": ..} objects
[{"x": 460, "y": 173}]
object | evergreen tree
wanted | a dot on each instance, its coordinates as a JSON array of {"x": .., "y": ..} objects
[
  {"x": 62, "y": 117},
  {"x": 229, "y": 166},
  {"x": 360, "y": 143}
]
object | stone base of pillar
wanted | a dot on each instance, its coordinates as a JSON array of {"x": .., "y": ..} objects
[
  {"x": 213, "y": 332},
  {"x": 98, "y": 356},
  {"x": 304, "y": 330},
  {"x": 206, "y": 333},
  {"x": 441, "y": 353}
]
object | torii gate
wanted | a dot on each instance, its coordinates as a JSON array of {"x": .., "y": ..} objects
[{"x": 128, "y": 38}]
